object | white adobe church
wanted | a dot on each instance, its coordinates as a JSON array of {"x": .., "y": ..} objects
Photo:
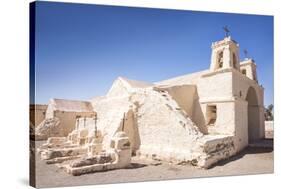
[{"x": 199, "y": 118}]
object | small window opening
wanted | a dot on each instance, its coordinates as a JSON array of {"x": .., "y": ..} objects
[
  {"x": 211, "y": 115},
  {"x": 244, "y": 71}
]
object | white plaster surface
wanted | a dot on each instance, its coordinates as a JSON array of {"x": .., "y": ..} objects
[{"x": 168, "y": 120}]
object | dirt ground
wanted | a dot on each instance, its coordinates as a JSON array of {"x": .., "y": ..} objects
[{"x": 253, "y": 160}]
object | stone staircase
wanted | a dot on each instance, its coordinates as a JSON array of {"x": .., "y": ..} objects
[{"x": 179, "y": 113}]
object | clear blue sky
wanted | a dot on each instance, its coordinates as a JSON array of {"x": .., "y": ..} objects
[{"x": 81, "y": 49}]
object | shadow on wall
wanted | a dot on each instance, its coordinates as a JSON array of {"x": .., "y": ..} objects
[
  {"x": 198, "y": 115},
  {"x": 130, "y": 127},
  {"x": 253, "y": 115}
]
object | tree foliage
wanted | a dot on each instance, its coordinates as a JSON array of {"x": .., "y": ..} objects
[{"x": 269, "y": 113}]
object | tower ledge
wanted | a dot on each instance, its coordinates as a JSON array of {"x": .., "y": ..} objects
[
  {"x": 225, "y": 41},
  {"x": 247, "y": 61}
]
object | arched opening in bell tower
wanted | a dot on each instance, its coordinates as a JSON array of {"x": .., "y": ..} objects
[{"x": 219, "y": 63}]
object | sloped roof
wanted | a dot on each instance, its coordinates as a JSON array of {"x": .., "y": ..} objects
[
  {"x": 71, "y": 105},
  {"x": 135, "y": 83},
  {"x": 122, "y": 86},
  {"x": 184, "y": 79}
]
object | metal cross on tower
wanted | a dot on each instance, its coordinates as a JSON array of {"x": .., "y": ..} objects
[{"x": 226, "y": 30}]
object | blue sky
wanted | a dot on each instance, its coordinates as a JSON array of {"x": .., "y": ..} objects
[{"x": 81, "y": 49}]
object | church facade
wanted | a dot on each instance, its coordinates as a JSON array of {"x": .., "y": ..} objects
[
  {"x": 200, "y": 118},
  {"x": 230, "y": 98}
]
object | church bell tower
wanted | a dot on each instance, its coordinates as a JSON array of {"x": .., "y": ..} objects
[
  {"x": 225, "y": 54},
  {"x": 248, "y": 67}
]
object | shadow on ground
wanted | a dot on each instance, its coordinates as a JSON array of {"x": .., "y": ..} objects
[
  {"x": 264, "y": 146},
  {"x": 135, "y": 166}
]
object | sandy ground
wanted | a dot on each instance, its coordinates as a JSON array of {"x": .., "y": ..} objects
[{"x": 253, "y": 160}]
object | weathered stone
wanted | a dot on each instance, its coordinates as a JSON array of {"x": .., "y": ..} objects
[{"x": 199, "y": 118}]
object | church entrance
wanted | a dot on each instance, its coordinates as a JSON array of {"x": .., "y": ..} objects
[{"x": 253, "y": 115}]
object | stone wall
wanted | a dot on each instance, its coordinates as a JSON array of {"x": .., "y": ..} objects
[
  {"x": 241, "y": 87},
  {"x": 68, "y": 119},
  {"x": 166, "y": 132},
  {"x": 215, "y": 86},
  {"x": 37, "y": 113},
  {"x": 59, "y": 125},
  {"x": 241, "y": 124}
]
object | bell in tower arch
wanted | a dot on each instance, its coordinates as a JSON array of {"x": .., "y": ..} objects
[{"x": 225, "y": 54}]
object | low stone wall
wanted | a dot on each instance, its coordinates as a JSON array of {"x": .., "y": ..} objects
[
  {"x": 207, "y": 151},
  {"x": 215, "y": 148},
  {"x": 79, "y": 159}
]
